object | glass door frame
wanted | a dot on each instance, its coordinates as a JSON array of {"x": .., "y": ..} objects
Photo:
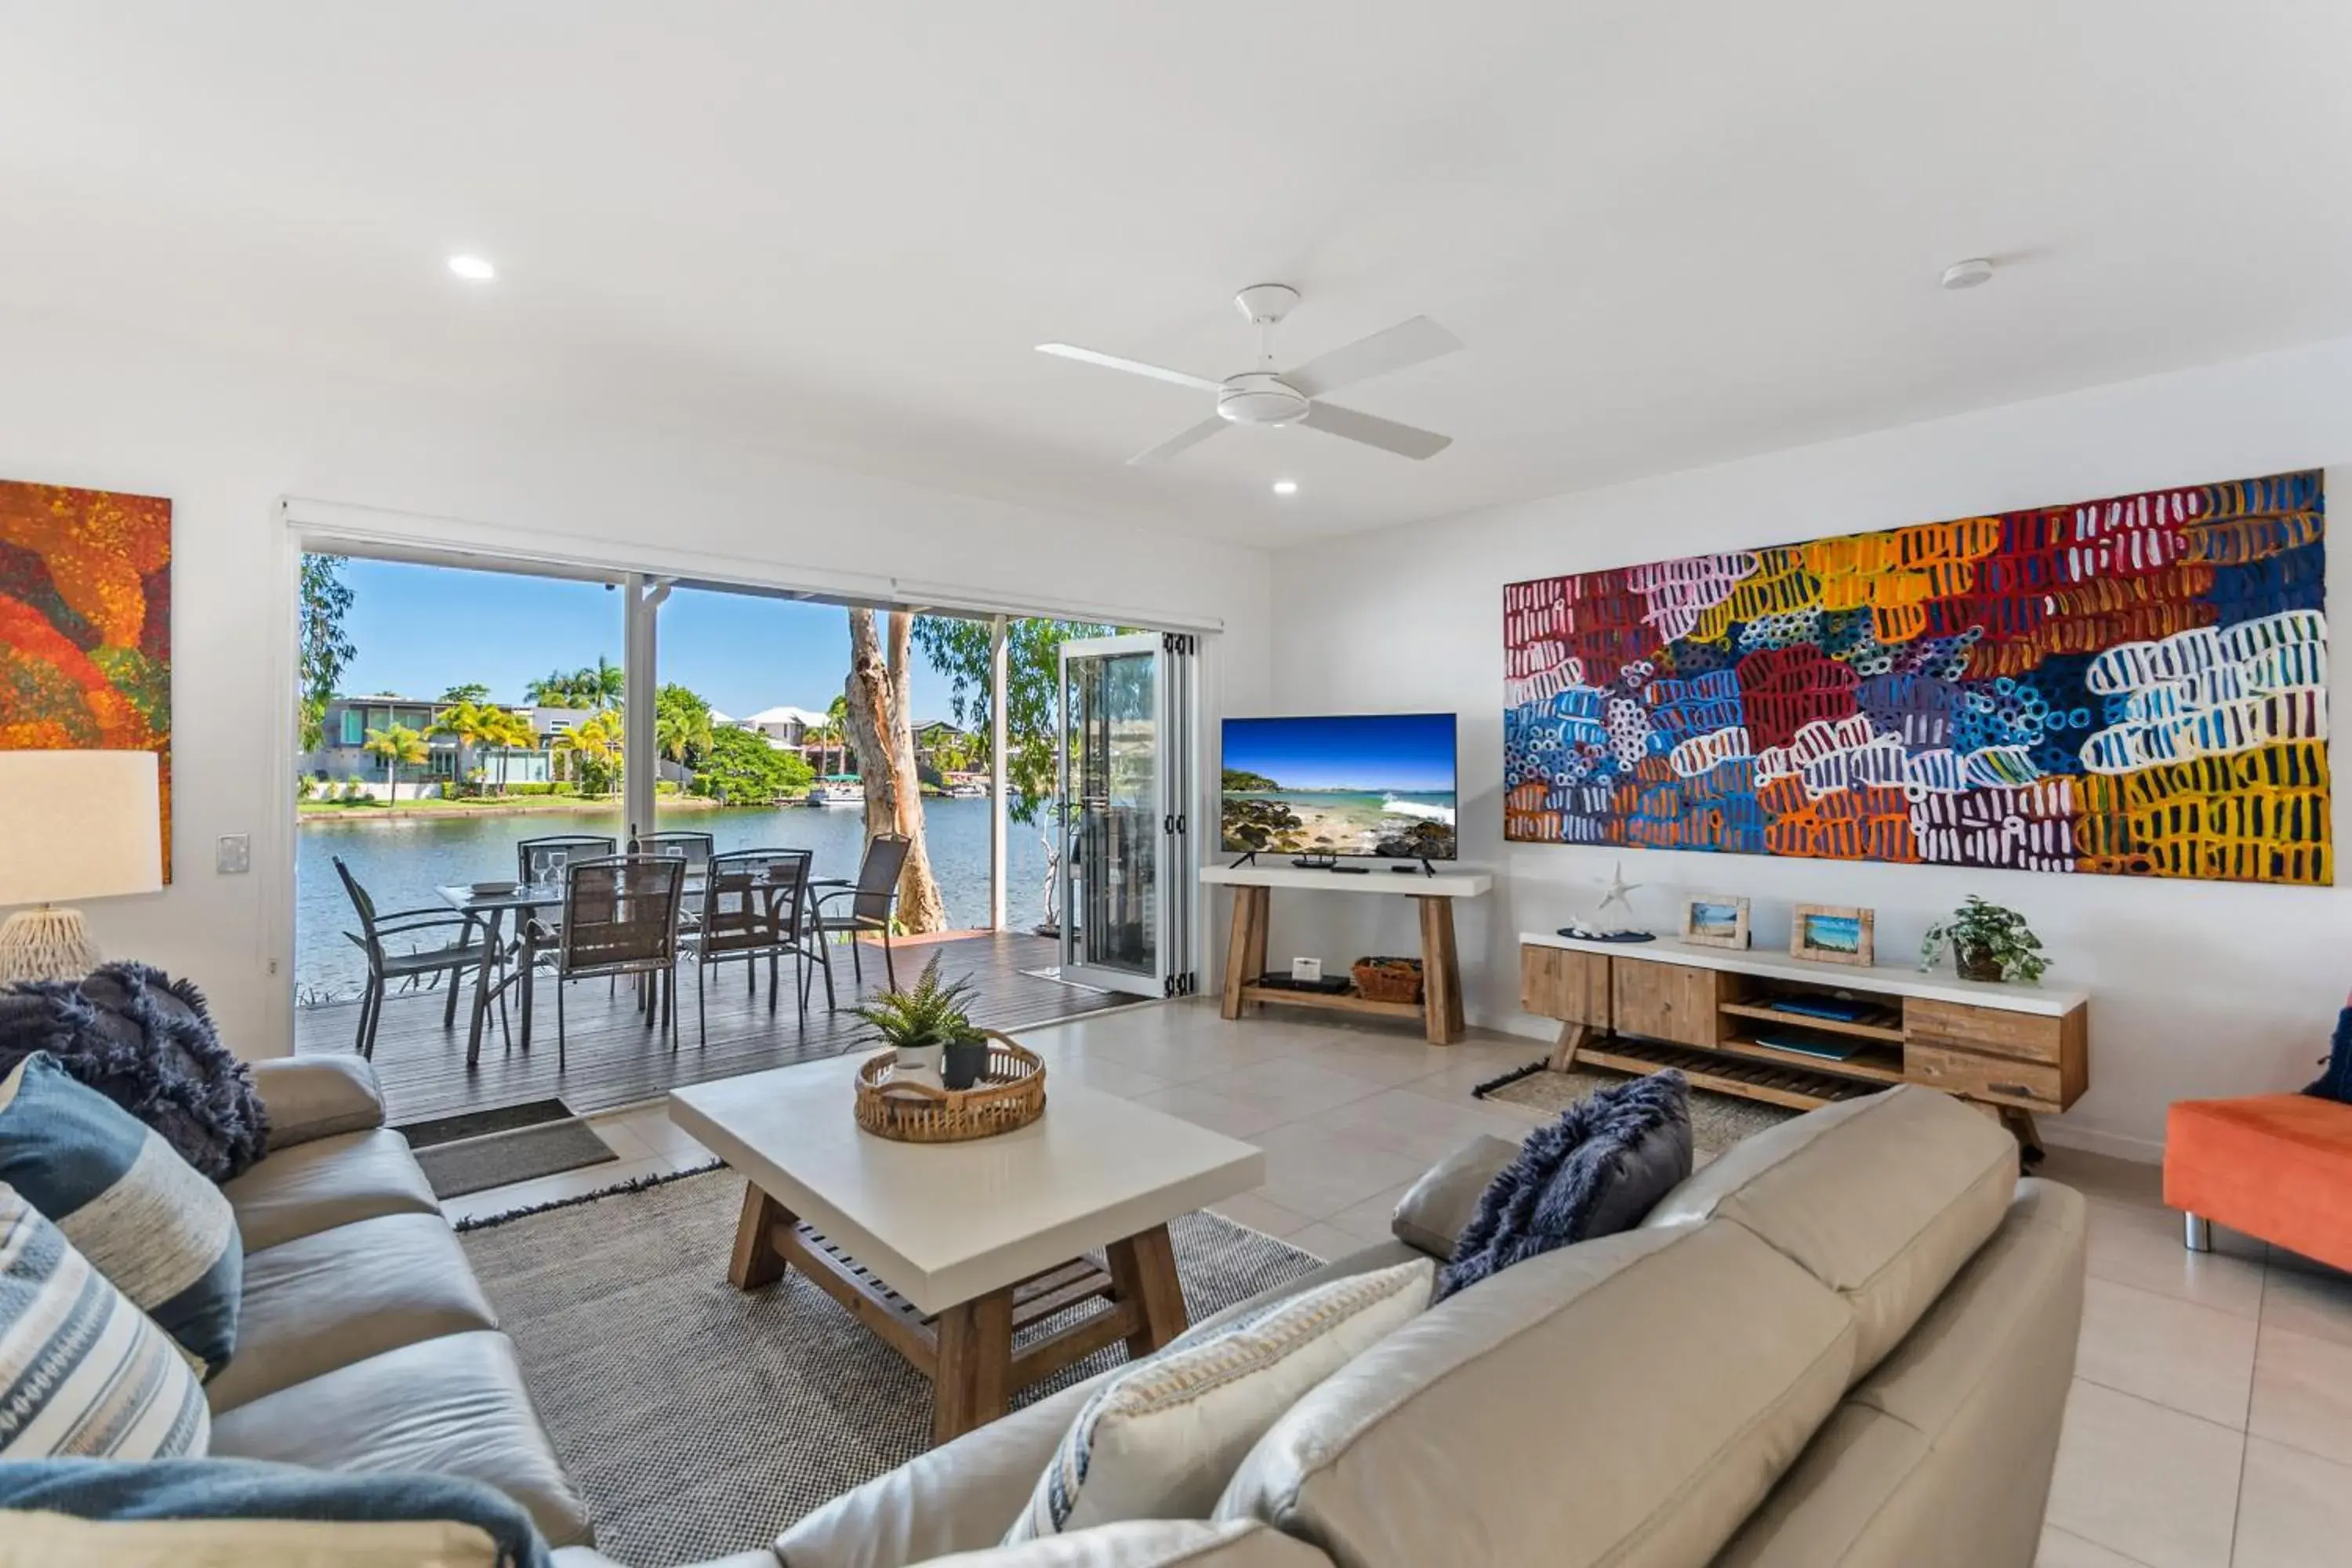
[{"x": 1174, "y": 868}]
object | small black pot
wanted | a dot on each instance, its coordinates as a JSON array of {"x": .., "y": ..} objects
[
  {"x": 963, "y": 1062},
  {"x": 1976, "y": 964}
]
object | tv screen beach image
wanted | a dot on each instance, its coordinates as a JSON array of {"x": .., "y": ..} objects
[{"x": 1366, "y": 784}]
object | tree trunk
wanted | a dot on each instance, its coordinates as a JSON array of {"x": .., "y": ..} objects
[{"x": 878, "y": 717}]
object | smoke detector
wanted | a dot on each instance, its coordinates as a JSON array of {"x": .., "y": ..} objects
[{"x": 1968, "y": 274}]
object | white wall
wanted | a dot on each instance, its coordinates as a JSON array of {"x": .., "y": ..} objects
[
  {"x": 2199, "y": 988},
  {"x": 226, "y": 439}
]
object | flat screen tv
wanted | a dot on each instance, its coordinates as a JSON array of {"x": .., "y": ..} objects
[{"x": 1357, "y": 784}]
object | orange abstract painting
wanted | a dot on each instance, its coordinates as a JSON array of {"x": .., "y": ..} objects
[{"x": 85, "y": 625}]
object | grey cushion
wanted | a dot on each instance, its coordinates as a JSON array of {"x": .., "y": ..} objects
[
  {"x": 1881, "y": 1198},
  {"x": 451, "y": 1406},
  {"x": 1625, "y": 1401},
  {"x": 326, "y": 1301},
  {"x": 1942, "y": 1457},
  {"x": 328, "y": 1182},
  {"x": 1430, "y": 1215},
  {"x": 308, "y": 1098}
]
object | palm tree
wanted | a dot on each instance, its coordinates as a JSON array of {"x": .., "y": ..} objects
[
  {"x": 591, "y": 744},
  {"x": 509, "y": 732},
  {"x": 605, "y": 686},
  {"x": 554, "y": 690},
  {"x": 474, "y": 724},
  {"x": 396, "y": 744}
]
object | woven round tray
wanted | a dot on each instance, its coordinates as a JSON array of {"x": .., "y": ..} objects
[{"x": 1010, "y": 1094}]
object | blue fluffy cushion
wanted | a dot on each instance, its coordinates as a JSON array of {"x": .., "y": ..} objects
[
  {"x": 142, "y": 1215},
  {"x": 248, "y": 1489},
  {"x": 1595, "y": 1172}
]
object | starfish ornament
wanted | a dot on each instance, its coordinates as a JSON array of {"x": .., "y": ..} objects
[{"x": 1616, "y": 891}]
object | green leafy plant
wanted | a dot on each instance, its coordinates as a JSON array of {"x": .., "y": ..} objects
[
  {"x": 1986, "y": 941},
  {"x": 929, "y": 1013}
]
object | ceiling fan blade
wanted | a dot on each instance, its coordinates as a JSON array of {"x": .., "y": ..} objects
[
  {"x": 1406, "y": 344},
  {"x": 1132, "y": 366},
  {"x": 1177, "y": 442},
  {"x": 1404, "y": 440}
]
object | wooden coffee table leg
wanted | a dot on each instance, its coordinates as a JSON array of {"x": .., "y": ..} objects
[
  {"x": 758, "y": 1260},
  {"x": 971, "y": 1382},
  {"x": 1143, "y": 1270}
]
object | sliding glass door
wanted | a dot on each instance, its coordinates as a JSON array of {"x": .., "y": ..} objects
[{"x": 1125, "y": 869}]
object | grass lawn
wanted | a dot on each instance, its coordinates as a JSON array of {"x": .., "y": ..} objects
[{"x": 498, "y": 805}]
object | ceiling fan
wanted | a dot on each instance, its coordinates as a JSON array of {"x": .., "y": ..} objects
[{"x": 1295, "y": 396}]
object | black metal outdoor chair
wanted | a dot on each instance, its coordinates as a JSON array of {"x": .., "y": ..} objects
[
  {"x": 620, "y": 917},
  {"x": 540, "y": 861},
  {"x": 755, "y": 905},
  {"x": 398, "y": 961},
  {"x": 873, "y": 900}
]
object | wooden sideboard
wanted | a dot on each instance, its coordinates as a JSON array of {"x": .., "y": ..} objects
[{"x": 2011, "y": 1050}]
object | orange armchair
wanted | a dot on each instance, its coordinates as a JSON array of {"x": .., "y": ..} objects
[{"x": 2277, "y": 1166}]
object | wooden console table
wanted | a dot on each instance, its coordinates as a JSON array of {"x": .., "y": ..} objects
[
  {"x": 1639, "y": 1007},
  {"x": 1440, "y": 1007}
]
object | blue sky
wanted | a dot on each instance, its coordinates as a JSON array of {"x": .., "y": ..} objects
[
  {"x": 1385, "y": 751},
  {"x": 421, "y": 630}
]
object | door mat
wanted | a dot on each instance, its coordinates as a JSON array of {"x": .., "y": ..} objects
[
  {"x": 479, "y": 1123},
  {"x": 502, "y": 1159}
]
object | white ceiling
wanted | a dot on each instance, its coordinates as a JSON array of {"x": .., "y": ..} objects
[{"x": 1669, "y": 232}]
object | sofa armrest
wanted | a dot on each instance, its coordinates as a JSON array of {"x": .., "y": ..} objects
[
  {"x": 1431, "y": 1214},
  {"x": 959, "y": 1497},
  {"x": 308, "y": 1098}
]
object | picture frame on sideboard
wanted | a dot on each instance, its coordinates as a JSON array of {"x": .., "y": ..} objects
[
  {"x": 1831, "y": 933},
  {"x": 1716, "y": 920}
]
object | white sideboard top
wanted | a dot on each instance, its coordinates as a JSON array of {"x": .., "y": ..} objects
[
  {"x": 1379, "y": 876},
  {"x": 2048, "y": 1001}
]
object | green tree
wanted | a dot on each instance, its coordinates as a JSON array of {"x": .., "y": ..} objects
[
  {"x": 397, "y": 744},
  {"x": 326, "y": 648},
  {"x": 743, "y": 767},
  {"x": 593, "y": 745},
  {"x": 960, "y": 649},
  {"x": 472, "y": 691},
  {"x": 681, "y": 725},
  {"x": 554, "y": 690},
  {"x": 509, "y": 732},
  {"x": 603, "y": 686},
  {"x": 473, "y": 725}
]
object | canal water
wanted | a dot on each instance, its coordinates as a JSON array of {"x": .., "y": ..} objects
[{"x": 402, "y": 859}]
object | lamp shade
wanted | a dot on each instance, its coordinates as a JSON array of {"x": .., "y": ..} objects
[{"x": 79, "y": 825}]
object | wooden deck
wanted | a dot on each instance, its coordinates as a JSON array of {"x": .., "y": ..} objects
[{"x": 613, "y": 1058}]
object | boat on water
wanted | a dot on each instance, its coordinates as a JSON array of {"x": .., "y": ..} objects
[
  {"x": 966, "y": 789},
  {"x": 841, "y": 789}
]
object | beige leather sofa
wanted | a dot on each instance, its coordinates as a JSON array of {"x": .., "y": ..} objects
[
  {"x": 363, "y": 1341},
  {"x": 1845, "y": 1344}
]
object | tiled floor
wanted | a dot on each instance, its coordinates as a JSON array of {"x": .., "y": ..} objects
[{"x": 2210, "y": 1424}]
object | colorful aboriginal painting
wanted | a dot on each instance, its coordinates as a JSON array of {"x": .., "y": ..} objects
[
  {"x": 85, "y": 625},
  {"x": 2135, "y": 685}
]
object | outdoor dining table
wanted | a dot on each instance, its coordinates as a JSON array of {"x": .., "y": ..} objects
[{"x": 492, "y": 908}]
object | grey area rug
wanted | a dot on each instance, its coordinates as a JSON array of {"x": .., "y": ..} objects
[
  {"x": 1718, "y": 1120},
  {"x": 501, "y": 1158},
  {"x": 699, "y": 1420}
]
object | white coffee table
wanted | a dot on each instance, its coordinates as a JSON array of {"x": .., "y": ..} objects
[{"x": 947, "y": 1251}]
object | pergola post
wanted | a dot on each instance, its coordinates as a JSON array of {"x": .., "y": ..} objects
[
  {"x": 1000, "y": 806},
  {"x": 640, "y": 667}
]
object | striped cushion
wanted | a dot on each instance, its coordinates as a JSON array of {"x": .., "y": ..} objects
[
  {"x": 1160, "y": 1439},
  {"x": 83, "y": 1372},
  {"x": 141, "y": 1215}
]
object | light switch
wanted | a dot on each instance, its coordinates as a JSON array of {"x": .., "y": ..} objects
[{"x": 233, "y": 854}]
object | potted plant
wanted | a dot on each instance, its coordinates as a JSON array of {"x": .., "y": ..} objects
[
  {"x": 1987, "y": 942},
  {"x": 921, "y": 1022}
]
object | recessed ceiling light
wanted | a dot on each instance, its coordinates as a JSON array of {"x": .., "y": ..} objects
[
  {"x": 1968, "y": 274},
  {"x": 1286, "y": 487},
  {"x": 473, "y": 269}
]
